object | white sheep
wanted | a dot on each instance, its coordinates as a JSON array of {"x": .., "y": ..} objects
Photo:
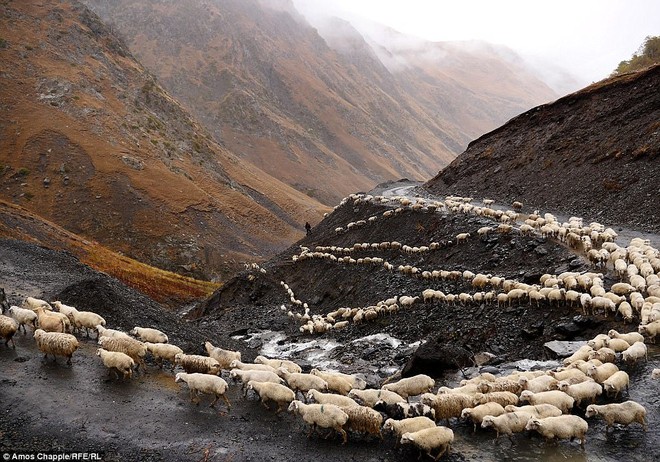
[
  {"x": 477, "y": 414},
  {"x": 630, "y": 337},
  {"x": 23, "y": 316},
  {"x": 606, "y": 355},
  {"x": 369, "y": 397},
  {"x": 148, "y": 334},
  {"x": 602, "y": 372},
  {"x": 620, "y": 413},
  {"x": 540, "y": 411},
  {"x": 68, "y": 311},
  {"x": 462, "y": 237},
  {"x": 557, "y": 398},
  {"x": 162, "y": 351},
  {"x": 204, "y": 383},
  {"x": 507, "y": 423},
  {"x": 617, "y": 344},
  {"x": 650, "y": 330},
  {"x": 87, "y": 320},
  {"x": 133, "y": 348},
  {"x": 55, "y": 343},
  {"x": 580, "y": 392},
  {"x": 356, "y": 382},
  {"x": 429, "y": 440},
  {"x": 335, "y": 383},
  {"x": 447, "y": 405},
  {"x": 277, "y": 363},
  {"x": 411, "y": 425},
  {"x": 504, "y": 398},
  {"x": 411, "y": 386},
  {"x": 573, "y": 374},
  {"x": 635, "y": 352},
  {"x": 315, "y": 396},
  {"x": 538, "y": 384},
  {"x": 246, "y": 376},
  {"x": 302, "y": 382},
  {"x": 8, "y": 327},
  {"x": 269, "y": 391},
  {"x": 117, "y": 362},
  {"x": 321, "y": 415},
  {"x": 103, "y": 332},
  {"x": 582, "y": 353},
  {"x": 655, "y": 374},
  {"x": 560, "y": 427},
  {"x": 237, "y": 364},
  {"x": 616, "y": 383},
  {"x": 223, "y": 357},
  {"x": 33, "y": 303}
]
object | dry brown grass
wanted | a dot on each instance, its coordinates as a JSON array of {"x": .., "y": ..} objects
[{"x": 163, "y": 286}]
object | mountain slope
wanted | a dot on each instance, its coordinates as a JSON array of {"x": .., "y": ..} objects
[
  {"x": 324, "y": 115},
  {"x": 90, "y": 141},
  {"x": 595, "y": 153}
]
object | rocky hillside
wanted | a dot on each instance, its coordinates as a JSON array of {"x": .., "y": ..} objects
[
  {"x": 90, "y": 141},
  {"x": 252, "y": 301},
  {"x": 594, "y": 153},
  {"x": 328, "y": 111}
]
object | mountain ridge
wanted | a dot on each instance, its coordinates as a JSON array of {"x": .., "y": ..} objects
[
  {"x": 277, "y": 94},
  {"x": 93, "y": 143},
  {"x": 592, "y": 153}
]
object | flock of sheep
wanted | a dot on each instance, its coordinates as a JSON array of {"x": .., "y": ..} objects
[
  {"x": 330, "y": 400},
  {"x": 412, "y": 408},
  {"x": 408, "y": 408},
  {"x": 637, "y": 266}
]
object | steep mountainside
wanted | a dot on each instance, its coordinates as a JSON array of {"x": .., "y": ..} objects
[
  {"x": 594, "y": 153},
  {"x": 326, "y": 116},
  {"x": 90, "y": 141}
]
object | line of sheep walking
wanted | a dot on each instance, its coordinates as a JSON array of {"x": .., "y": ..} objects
[{"x": 585, "y": 290}]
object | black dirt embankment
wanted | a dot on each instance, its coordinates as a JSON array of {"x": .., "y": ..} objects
[
  {"x": 253, "y": 299},
  {"x": 30, "y": 270},
  {"x": 594, "y": 153}
]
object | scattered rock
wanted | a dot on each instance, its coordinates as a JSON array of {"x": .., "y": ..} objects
[
  {"x": 568, "y": 330},
  {"x": 135, "y": 164},
  {"x": 533, "y": 331},
  {"x": 562, "y": 349},
  {"x": 575, "y": 263},
  {"x": 483, "y": 358},
  {"x": 434, "y": 357},
  {"x": 541, "y": 250}
]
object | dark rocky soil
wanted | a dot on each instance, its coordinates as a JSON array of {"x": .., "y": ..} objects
[{"x": 594, "y": 153}]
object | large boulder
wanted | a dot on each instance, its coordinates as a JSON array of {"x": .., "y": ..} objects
[{"x": 435, "y": 356}]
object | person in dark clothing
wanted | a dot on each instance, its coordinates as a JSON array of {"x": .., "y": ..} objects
[{"x": 308, "y": 228}]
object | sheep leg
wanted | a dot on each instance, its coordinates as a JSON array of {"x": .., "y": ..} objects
[
  {"x": 279, "y": 407},
  {"x": 224, "y": 397},
  {"x": 343, "y": 435},
  {"x": 214, "y": 401},
  {"x": 312, "y": 427},
  {"x": 442, "y": 451},
  {"x": 193, "y": 395}
]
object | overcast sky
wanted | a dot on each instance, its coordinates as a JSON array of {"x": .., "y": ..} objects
[{"x": 586, "y": 37}]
